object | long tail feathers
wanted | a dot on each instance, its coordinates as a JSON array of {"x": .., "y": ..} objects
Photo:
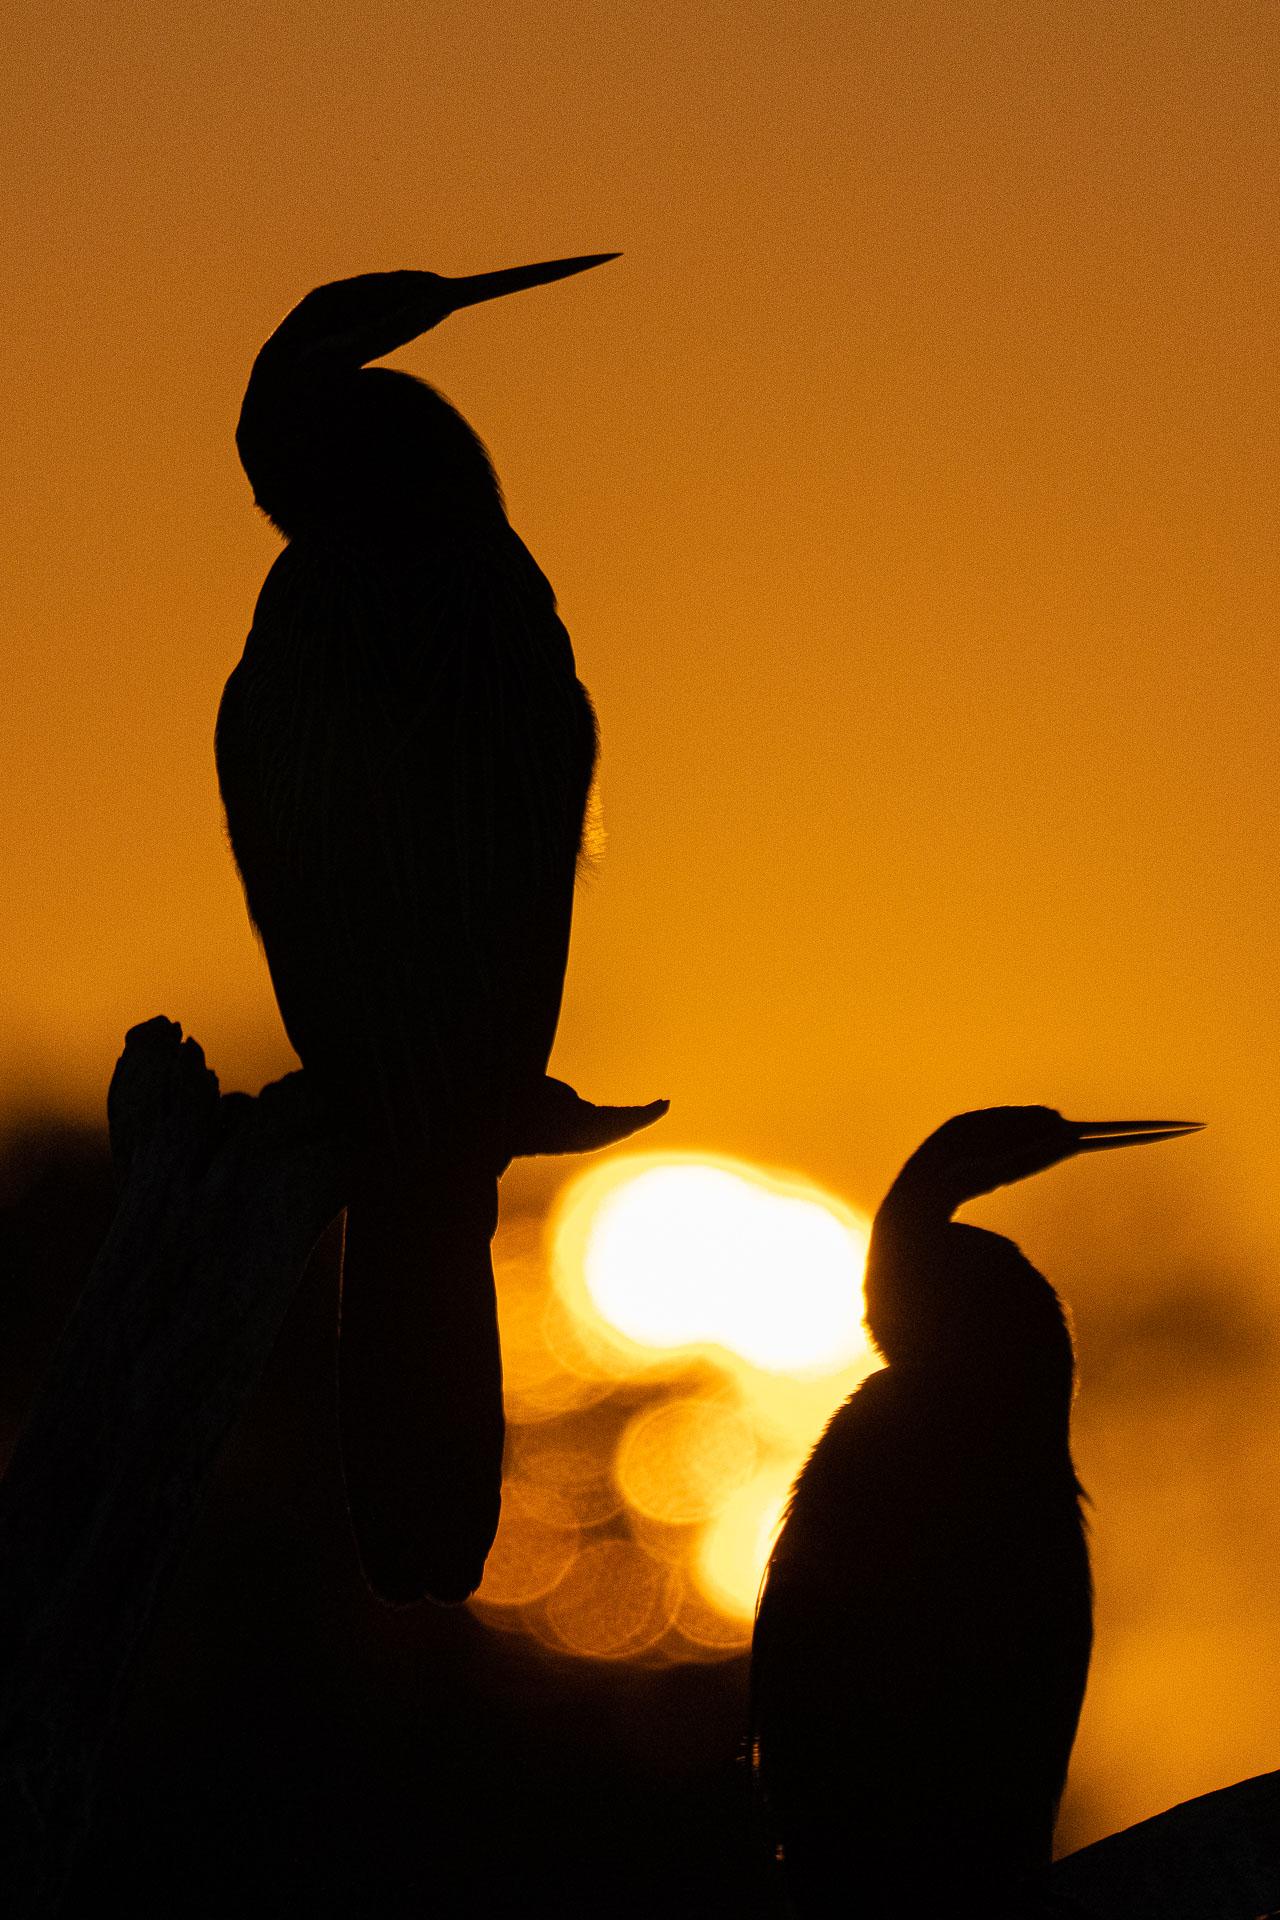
[{"x": 420, "y": 1383}]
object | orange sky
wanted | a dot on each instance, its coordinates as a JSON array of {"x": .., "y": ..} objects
[{"x": 907, "y": 487}]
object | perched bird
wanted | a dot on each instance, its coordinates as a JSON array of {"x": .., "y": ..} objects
[
  {"x": 925, "y": 1621},
  {"x": 405, "y": 754}
]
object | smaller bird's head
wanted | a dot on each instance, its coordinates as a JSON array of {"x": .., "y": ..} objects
[
  {"x": 962, "y": 1297},
  {"x": 974, "y": 1153}
]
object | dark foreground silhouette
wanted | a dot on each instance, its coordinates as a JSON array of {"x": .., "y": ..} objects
[
  {"x": 925, "y": 1625},
  {"x": 222, "y": 1200},
  {"x": 405, "y": 755},
  {"x": 293, "y": 1747}
]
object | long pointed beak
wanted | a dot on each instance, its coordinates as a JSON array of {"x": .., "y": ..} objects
[
  {"x": 469, "y": 289},
  {"x": 1093, "y": 1136}
]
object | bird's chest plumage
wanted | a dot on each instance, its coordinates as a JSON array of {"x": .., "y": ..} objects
[
  {"x": 930, "y": 1594},
  {"x": 405, "y": 754},
  {"x": 368, "y": 680}
]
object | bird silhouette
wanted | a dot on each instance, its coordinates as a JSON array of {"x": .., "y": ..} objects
[
  {"x": 924, "y": 1627},
  {"x": 405, "y": 754}
]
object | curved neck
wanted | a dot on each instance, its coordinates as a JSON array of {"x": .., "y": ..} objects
[
  {"x": 359, "y": 452},
  {"x": 921, "y": 1200}
]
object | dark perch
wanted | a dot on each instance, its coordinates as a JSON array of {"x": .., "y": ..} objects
[
  {"x": 1215, "y": 1858},
  {"x": 223, "y": 1198}
]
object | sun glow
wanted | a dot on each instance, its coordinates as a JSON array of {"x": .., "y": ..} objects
[
  {"x": 734, "y": 1550},
  {"x": 696, "y": 1253},
  {"x": 666, "y": 1378}
]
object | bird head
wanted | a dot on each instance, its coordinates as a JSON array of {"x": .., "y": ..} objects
[
  {"x": 325, "y": 438},
  {"x": 964, "y": 1298},
  {"x": 974, "y": 1153},
  {"x": 348, "y": 323}
]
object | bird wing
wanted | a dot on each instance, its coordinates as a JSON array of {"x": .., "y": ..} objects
[
  {"x": 913, "y": 1568},
  {"x": 405, "y": 754}
]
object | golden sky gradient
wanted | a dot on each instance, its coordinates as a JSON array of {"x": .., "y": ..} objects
[{"x": 908, "y": 488}]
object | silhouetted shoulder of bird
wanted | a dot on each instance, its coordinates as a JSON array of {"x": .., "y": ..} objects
[{"x": 924, "y": 1628}]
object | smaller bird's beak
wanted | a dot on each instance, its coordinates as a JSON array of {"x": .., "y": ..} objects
[
  {"x": 469, "y": 289},
  {"x": 1092, "y": 1136}
]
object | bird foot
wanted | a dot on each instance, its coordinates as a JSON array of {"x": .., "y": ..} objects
[{"x": 558, "y": 1120}]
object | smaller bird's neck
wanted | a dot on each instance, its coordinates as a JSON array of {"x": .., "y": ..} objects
[
  {"x": 921, "y": 1202},
  {"x": 966, "y": 1307}
]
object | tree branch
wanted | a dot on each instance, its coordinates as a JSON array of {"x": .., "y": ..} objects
[{"x": 1214, "y": 1858}]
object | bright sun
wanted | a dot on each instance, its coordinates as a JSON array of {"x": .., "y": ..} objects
[
  {"x": 757, "y": 1273},
  {"x": 664, "y": 1382},
  {"x": 691, "y": 1253}
]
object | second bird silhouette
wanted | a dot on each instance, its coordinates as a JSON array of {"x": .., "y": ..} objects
[
  {"x": 405, "y": 754},
  {"x": 924, "y": 1629}
]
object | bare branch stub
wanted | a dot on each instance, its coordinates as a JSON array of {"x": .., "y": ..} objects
[{"x": 223, "y": 1198}]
